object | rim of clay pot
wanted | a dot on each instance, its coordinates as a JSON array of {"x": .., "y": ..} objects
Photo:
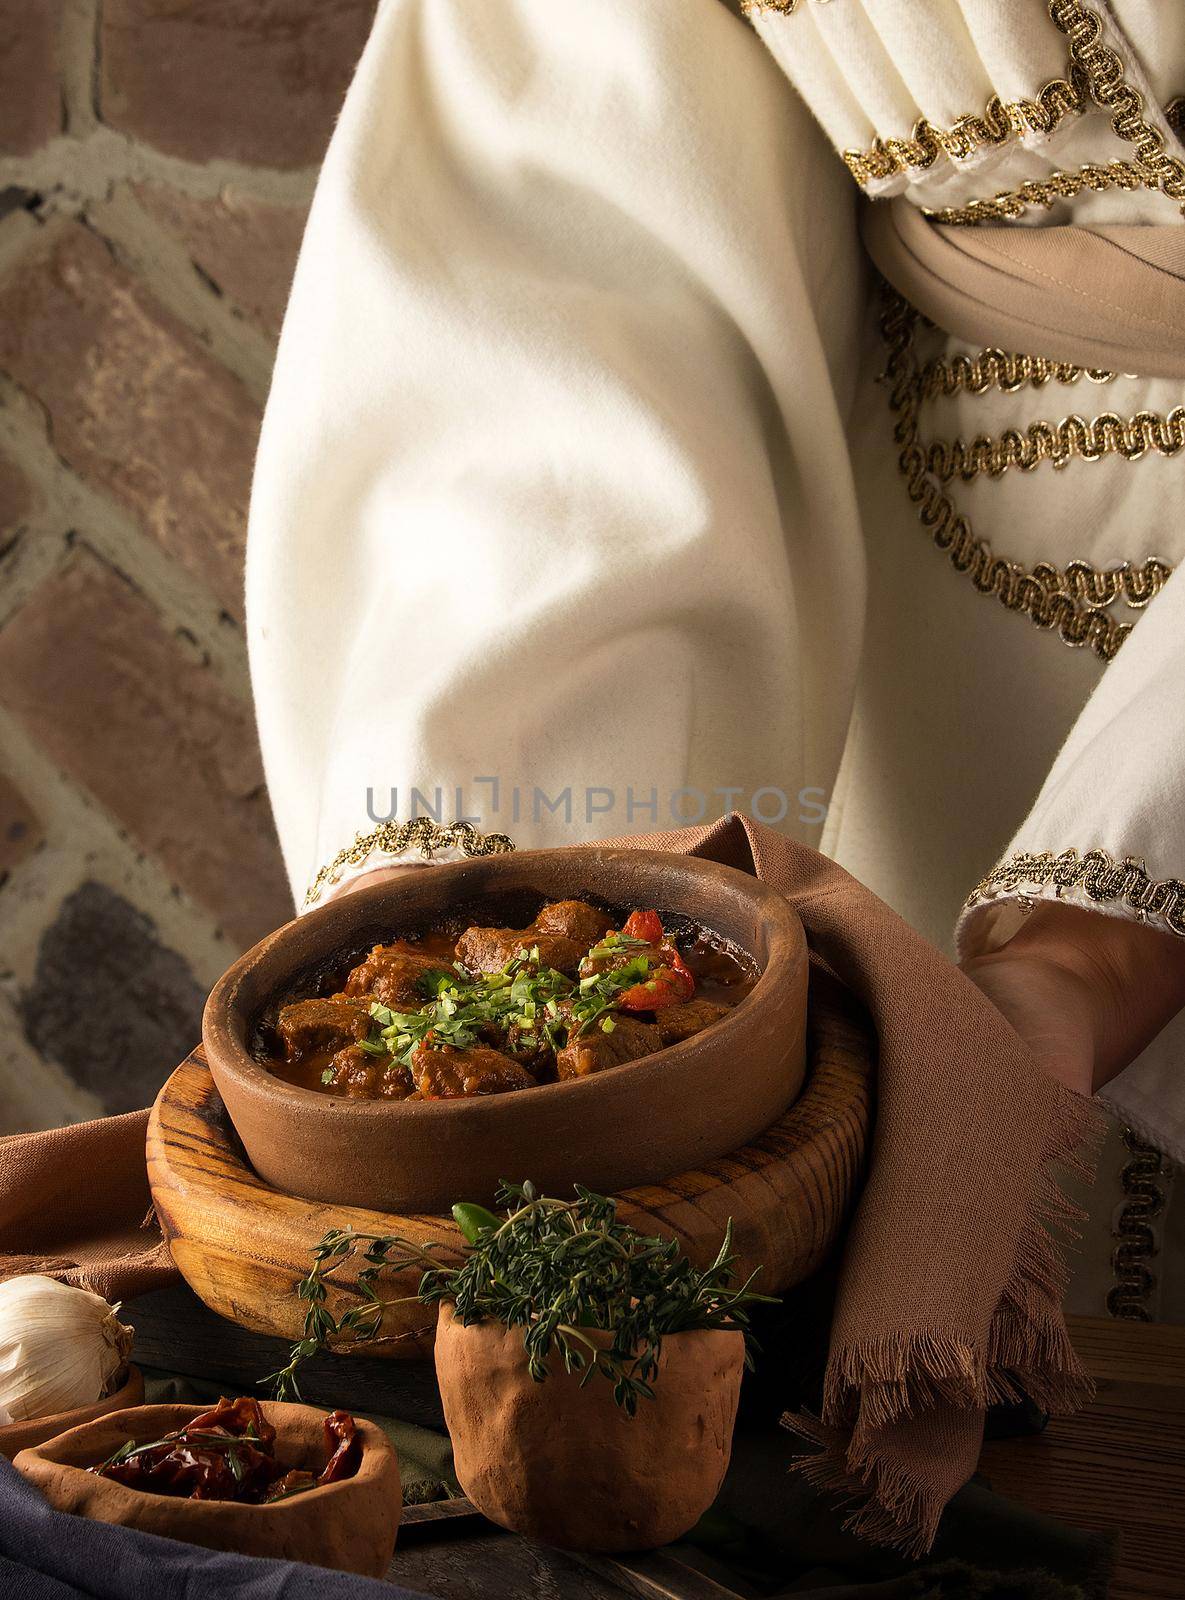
[
  {"x": 245, "y": 989},
  {"x": 145, "y": 1423},
  {"x": 603, "y": 1337}
]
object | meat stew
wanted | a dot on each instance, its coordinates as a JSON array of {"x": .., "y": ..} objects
[{"x": 443, "y": 1015}]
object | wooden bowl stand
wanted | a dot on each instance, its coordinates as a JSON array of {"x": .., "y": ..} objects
[{"x": 243, "y": 1246}]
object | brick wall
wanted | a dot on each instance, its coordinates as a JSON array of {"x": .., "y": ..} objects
[{"x": 156, "y": 162}]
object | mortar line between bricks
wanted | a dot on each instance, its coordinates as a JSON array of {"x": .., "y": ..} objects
[
  {"x": 78, "y": 58},
  {"x": 90, "y": 168},
  {"x": 19, "y": 231},
  {"x": 116, "y": 538},
  {"x": 161, "y": 261},
  {"x": 135, "y": 241},
  {"x": 102, "y": 848},
  {"x": 179, "y": 219},
  {"x": 243, "y": 397}
]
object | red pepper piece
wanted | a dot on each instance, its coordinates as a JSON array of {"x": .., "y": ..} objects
[
  {"x": 656, "y": 994},
  {"x": 233, "y": 1416},
  {"x": 681, "y": 974},
  {"x": 344, "y": 1447},
  {"x": 666, "y": 986},
  {"x": 644, "y": 925},
  {"x": 225, "y": 1453},
  {"x": 670, "y": 981}
]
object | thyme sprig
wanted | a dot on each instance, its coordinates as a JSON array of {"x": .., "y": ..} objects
[
  {"x": 362, "y": 1322},
  {"x": 586, "y": 1289}
]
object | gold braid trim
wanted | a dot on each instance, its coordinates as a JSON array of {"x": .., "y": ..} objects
[
  {"x": 1098, "y": 876},
  {"x": 1074, "y": 437},
  {"x": 1136, "y": 1240},
  {"x": 1096, "y": 74},
  {"x": 997, "y": 369},
  {"x": 1074, "y": 599},
  {"x": 1110, "y": 89},
  {"x": 393, "y": 838},
  {"x": 1000, "y": 122},
  {"x": 1012, "y": 203}
]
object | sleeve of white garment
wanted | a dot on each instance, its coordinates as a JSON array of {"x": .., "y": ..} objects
[
  {"x": 1107, "y": 832},
  {"x": 552, "y": 525}
]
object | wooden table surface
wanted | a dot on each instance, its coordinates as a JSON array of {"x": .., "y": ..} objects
[{"x": 1119, "y": 1465}]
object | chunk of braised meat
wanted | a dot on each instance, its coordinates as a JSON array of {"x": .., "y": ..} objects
[
  {"x": 609, "y": 959},
  {"x": 328, "y": 1024},
  {"x": 489, "y": 949},
  {"x": 531, "y": 1047},
  {"x": 677, "y": 1023},
  {"x": 394, "y": 974},
  {"x": 575, "y": 920},
  {"x": 612, "y": 957},
  {"x": 593, "y": 1050},
  {"x": 361, "y": 1075},
  {"x": 445, "y": 1073}
]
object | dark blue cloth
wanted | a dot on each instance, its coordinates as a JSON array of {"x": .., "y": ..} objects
[{"x": 50, "y": 1555}]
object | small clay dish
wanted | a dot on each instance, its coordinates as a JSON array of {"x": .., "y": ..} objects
[
  {"x": 560, "y": 1461},
  {"x": 349, "y": 1525},
  {"x": 15, "y": 1436},
  {"x": 670, "y": 1112}
]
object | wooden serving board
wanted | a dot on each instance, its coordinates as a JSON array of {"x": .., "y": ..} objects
[{"x": 243, "y": 1246}]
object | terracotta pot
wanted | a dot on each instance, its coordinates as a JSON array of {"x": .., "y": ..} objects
[
  {"x": 350, "y": 1525},
  {"x": 564, "y": 1464},
  {"x": 17, "y": 1436},
  {"x": 631, "y": 1125}
]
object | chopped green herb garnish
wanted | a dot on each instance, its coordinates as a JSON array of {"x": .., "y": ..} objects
[{"x": 464, "y": 1009}]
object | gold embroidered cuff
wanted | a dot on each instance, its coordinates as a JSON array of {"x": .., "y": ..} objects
[
  {"x": 1008, "y": 204},
  {"x": 1001, "y": 122},
  {"x": 1095, "y": 875},
  {"x": 1005, "y": 371},
  {"x": 1136, "y": 1243},
  {"x": 429, "y": 838},
  {"x": 1109, "y": 89},
  {"x": 1072, "y": 438},
  {"x": 1073, "y": 600}
]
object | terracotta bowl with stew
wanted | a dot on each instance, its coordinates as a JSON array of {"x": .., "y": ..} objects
[
  {"x": 640, "y": 1122},
  {"x": 350, "y": 1525}
]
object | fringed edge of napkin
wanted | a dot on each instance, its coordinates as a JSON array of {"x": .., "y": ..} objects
[{"x": 875, "y": 1385}]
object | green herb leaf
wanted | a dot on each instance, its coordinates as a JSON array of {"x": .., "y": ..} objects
[{"x": 473, "y": 1220}]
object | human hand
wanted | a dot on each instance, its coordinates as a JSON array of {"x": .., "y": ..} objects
[{"x": 1085, "y": 991}]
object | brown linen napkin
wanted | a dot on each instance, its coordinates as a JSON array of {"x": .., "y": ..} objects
[
  {"x": 951, "y": 1278},
  {"x": 74, "y": 1202},
  {"x": 1111, "y": 297}
]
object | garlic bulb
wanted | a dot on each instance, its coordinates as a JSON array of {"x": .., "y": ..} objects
[{"x": 59, "y": 1347}]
